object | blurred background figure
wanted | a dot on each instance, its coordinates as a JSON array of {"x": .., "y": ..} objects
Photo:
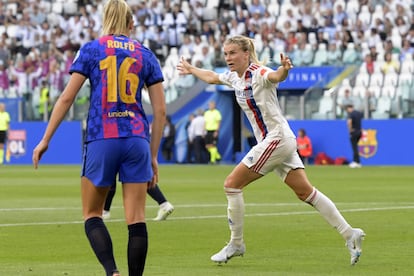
[
  {"x": 4, "y": 127},
  {"x": 304, "y": 146},
  {"x": 354, "y": 124},
  {"x": 190, "y": 146},
  {"x": 213, "y": 119},
  {"x": 168, "y": 140},
  {"x": 196, "y": 135}
]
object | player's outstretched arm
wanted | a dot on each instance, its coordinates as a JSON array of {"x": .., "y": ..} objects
[
  {"x": 208, "y": 76},
  {"x": 159, "y": 110}
]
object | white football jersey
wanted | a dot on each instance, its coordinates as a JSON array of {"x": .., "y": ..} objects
[{"x": 257, "y": 97}]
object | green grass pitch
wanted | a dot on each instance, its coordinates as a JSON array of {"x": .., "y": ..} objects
[{"x": 42, "y": 234}]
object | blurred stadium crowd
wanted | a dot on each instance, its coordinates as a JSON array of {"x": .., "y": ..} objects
[{"x": 39, "y": 39}]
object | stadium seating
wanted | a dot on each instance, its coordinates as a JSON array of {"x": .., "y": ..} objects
[
  {"x": 321, "y": 56},
  {"x": 389, "y": 91},
  {"x": 57, "y": 7},
  {"x": 362, "y": 79},
  {"x": 407, "y": 65},
  {"x": 352, "y": 7},
  {"x": 360, "y": 91},
  {"x": 307, "y": 56},
  {"x": 350, "y": 55},
  {"x": 405, "y": 79},
  {"x": 383, "y": 108},
  {"x": 364, "y": 15},
  {"x": 378, "y": 13},
  {"x": 376, "y": 79},
  {"x": 12, "y": 30},
  {"x": 390, "y": 79},
  {"x": 326, "y": 107},
  {"x": 398, "y": 85}
]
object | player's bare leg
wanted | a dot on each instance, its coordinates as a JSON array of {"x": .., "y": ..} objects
[
  {"x": 299, "y": 183},
  {"x": 233, "y": 185}
]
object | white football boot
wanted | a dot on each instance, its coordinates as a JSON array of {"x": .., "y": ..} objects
[
  {"x": 354, "y": 244},
  {"x": 228, "y": 252},
  {"x": 165, "y": 210}
]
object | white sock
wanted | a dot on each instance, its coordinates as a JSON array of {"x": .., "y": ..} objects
[
  {"x": 163, "y": 205},
  {"x": 235, "y": 214},
  {"x": 329, "y": 212}
]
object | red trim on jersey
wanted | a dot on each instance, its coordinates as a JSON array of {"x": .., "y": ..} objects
[
  {"x": 253, "y": 107},
  {"x": 253, "y": 66},
  {"x": 265, "y": 156},
  {"x": 251, "y": 103}
]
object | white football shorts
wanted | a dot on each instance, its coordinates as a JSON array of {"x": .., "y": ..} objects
[{"x": 279, "y": 155}]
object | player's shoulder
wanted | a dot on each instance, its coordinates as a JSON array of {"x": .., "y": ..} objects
[
  {"x": 88, "y": 46},
  {"x": 259, "y": 69},
  {"x": 86, "y": 50},
  {"x": 141, "y": 46},
  {"x": 91, "y": 43},
  {"x": 226, "y": 76}
]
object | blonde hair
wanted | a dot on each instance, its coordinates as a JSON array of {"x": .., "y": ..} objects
[
  {"x": 246, "y": 44},
  {"x": 117, "y": 17}
]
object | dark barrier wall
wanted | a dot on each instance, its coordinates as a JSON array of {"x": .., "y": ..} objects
[
  {"x": 65, "y": 147},
  {"x": 12, "y": 107},
  {"x": 384, "y": 142},
  {"x": 224, "y": 104}
]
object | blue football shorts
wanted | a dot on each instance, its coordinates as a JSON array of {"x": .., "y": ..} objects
[{"x": 130, "y": 158}]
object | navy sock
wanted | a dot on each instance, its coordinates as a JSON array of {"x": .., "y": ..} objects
[
  {"x": 101, "y": 243},
  {"x": 157, "y": 195},
  {"x": 137, "y": 248}
]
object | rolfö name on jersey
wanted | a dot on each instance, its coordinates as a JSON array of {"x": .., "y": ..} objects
[{"x": 120, "y": 45}]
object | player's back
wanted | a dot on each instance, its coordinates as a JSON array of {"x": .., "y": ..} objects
[{"x": 118, "y": 68}]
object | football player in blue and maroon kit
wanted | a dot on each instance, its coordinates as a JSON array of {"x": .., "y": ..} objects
[{"x": 118, "y": 139}]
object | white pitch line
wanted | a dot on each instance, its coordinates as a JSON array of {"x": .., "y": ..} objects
[
  {"x": 29, "y": 209},
  {"x": 156, "y": 206},
  {"x": 219, "y": 216}
]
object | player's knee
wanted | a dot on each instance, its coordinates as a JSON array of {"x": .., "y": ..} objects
[
  {"x": 304, "y": 192},
  {"x": 230, "y": 182},
  {"x": 227, "y": 183}
]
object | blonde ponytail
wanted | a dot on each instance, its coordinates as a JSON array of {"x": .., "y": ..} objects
[{"x": 117, "y": 17}]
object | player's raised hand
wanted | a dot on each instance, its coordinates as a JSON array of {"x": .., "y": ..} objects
[
  {"x": 183, "y": 67},
  {"x": 285, "y": 62}
]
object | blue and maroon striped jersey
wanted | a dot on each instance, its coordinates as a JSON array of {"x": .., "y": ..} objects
[{"x": 118, "y": 68}]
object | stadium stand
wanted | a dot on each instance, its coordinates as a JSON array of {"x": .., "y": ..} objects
[
  {"x": 326, "y": 107},
  {"x": 352, "y": 29},
  {"x": 321, "y": 56}
]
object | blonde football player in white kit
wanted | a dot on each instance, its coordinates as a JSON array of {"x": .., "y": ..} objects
[{"x": 255, "y": 90}]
